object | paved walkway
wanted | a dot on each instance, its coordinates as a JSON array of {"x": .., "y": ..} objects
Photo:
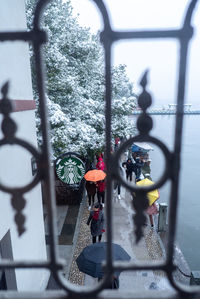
[
  {"x": 66, "y": 228},
  {"x": 147, "y": 249},
  {"x": 74, "y": 233}
]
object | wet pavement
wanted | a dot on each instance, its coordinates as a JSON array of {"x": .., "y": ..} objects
[
  {"x": 67, "y": 217},
  {"x": 71, "y": 223},
  {"x": 148, "y": 249}
]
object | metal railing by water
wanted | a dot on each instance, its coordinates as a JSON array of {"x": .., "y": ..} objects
[
  {"x": 144, "y": 125},
  {"x": 165, "y": 112},
  {"x": 171, "y": 110}
]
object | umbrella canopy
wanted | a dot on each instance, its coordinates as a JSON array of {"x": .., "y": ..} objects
[
  {"x": 143, "y": 145},
  {"x": 152, "y": 195},
  {"x": 95, "y": 175},
  {"x": 135, "y": 148},
  {"x": 90, "y": 259}
]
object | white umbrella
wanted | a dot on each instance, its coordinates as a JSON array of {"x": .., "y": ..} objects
[{"x": 144, "y": 146}]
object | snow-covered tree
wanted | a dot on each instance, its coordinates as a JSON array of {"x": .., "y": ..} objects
[{"x": 75, "y": 83}]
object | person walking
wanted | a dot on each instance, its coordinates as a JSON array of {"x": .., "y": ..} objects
[
  {"x": 91, "y": 191},
  {"x": 117, "y": 189},
  {"x": 138, "y": 165},
  {"x": 117, "y": 184},
  {"x": 101, "y": 186},
  {"x": 129, "y": 168},
  {"x": 100, "y": 164},
  {"x": 146, "y": 169},
  {"x": 97, "y": 220},
  {"x": 117, "y": 142},
  {"x": 152, "y": 210}
]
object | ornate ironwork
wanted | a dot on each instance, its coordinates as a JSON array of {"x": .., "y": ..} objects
[
  {"x": 144, "y": 124},
  {"x": 9, "y": 129}
]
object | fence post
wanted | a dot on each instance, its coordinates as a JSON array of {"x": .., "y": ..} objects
[{"x": 162, "y": 217}]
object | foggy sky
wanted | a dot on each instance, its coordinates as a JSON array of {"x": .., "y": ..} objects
[{"x": 159, "y": 56}]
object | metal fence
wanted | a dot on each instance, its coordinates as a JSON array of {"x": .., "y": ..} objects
[{"x": 144, "y": 124}]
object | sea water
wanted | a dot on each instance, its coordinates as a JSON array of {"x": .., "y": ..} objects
[{"x": 188, "y": 218}]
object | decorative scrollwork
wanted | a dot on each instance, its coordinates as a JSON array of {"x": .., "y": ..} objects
[
  {"x": 144, "y": 122},
  {"x": 144, "y": 125},
  {"x": 9, "y": 128},
  {"x": 18, "y": 203}
]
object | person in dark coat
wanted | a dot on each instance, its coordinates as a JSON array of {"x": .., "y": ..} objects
[
  {"x": 138, "y": 166},
  {"x": 97, "y": 220},
  {"x": 130, "y": 167},
  {"x": 91, "y": 191},
  {"x": 117, "y": 184}
]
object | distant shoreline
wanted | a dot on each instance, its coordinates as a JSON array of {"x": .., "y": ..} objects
[{"x": 166, "y": 112}]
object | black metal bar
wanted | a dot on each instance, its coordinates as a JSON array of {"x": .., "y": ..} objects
[
  {"x": 120, "y": 35},
  {"x": 30, "y": 36},
  {"x": 49, "y": 177},
  {"x": 107, "y": 46},
  {"x": 177, "y": 152},
  {"x": 29, "y": 264}
]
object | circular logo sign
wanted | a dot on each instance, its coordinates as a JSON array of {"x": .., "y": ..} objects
[{"x": 70, "y": 170}]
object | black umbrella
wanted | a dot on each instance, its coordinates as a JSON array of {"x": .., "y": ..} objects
[{"x": 90, "y": 259}]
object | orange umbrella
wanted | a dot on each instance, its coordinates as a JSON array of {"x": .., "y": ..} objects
[{"x": 95, "y": 175}]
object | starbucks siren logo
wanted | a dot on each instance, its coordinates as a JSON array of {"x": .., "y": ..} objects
[{"x": 70, "y": 170}]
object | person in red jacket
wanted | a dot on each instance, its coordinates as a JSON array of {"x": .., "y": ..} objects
[
  {"x": 100, "y": 164},
  {"x": 101, "y": 186}
]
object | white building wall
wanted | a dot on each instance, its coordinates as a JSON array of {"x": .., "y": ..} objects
[{"x": 15, "y": 162}]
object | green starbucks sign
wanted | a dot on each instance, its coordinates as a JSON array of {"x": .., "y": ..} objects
[{"x": 70, "y": 169}]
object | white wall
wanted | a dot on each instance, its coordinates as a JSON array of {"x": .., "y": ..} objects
[
  {"x": 13, "y": 58},
  {"x": 15, "y": 162}
]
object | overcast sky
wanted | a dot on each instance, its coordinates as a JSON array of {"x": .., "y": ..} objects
[{"x": 158, "y": 56}]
